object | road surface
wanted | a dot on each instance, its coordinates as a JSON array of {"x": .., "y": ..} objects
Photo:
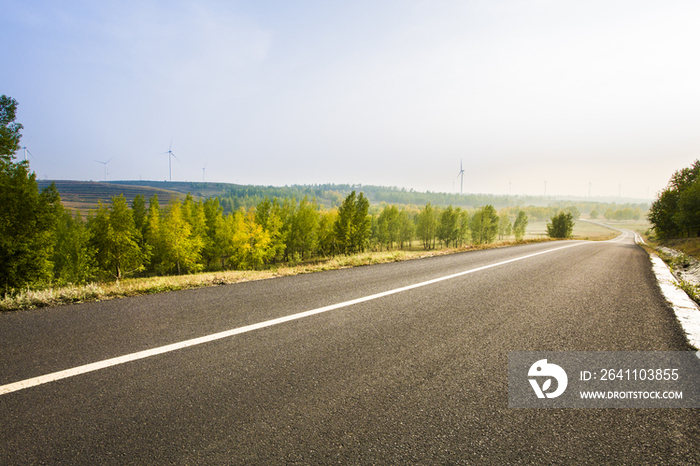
[{"x": 414, "y": 376}]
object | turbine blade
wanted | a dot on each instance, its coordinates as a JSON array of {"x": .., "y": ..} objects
[{"x": 174, "y": 156}]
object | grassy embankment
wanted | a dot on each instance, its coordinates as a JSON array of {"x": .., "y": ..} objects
[
  {"x": 28, "y": 299},
  {"x": 689, "y": 249}
]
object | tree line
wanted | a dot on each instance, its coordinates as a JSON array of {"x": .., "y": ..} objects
[
  {"x": 676, "y": 210},
  {"x": 118, "y": 240},
  {"x": 42, "y": 243}
]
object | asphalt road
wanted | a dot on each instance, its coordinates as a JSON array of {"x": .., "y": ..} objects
[{"x": 414, "y": 377}]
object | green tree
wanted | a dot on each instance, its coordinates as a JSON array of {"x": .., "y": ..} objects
[
  {"x": 407, "y": 229},
  {"x": 213, "y": 218},
  {"x": 27, "y": 223},
  {"x": 662, "y": 214},
  {"x": 74, "y": 256},
  {"x": 575, "y": 214},
  {"x": 687, "y": 215},
  {"x": 520, "y": 225},
  {"x": 426, "y": 225},
  {"x": 269, "y": 215},
  {"x": 9, "y": 129},
  {"x": 197, "y": 219},
  {"x": 138, "y": 210},
  {"x": 116, "y": 239},
  {"x": 562, "y": 225},
  {"x": 153, "y": 235},
  {"x": 389, "y": 226},
  {"x": 303, "y": 235},
  {"x": 484, "y": 225},
  {"x": 504, "y": 225},
  {"x": 250, "y": 245},
  {"x": 464, "y": 232},
  {"x": 666, "y": 213},
  {"x": 361, "y": 225},
  {"x": 448, "y": 226},
  {"x": 326, "y": 235},
  {"x": 28, "y": 217},
  {"x": 353, "y": 225},
  {"x": 594, "y": 214},
  {"x": 181, "y": 247}
]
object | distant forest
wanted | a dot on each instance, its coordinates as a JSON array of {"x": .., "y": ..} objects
[{"x": 232, "y": 197}]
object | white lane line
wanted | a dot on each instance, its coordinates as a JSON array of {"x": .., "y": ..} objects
[{"x": 22, "y": 384}]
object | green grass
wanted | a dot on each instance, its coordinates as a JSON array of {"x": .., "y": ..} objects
[
  {"x": 689, "y": 246},
  {"x": 693, "y": 291}
]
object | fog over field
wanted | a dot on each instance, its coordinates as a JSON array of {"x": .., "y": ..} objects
[{"x": 596, "y": 97}]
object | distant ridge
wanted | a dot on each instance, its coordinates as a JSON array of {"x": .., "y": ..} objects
[
  {"x": 84, "y": 195},
  {"x": 332, "y": 195}
]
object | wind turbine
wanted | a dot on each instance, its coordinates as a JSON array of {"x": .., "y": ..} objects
[
  {"x": 170, "y": 152},
  {"x": 461, "y": 173},
  {"x": 105, "y": 164},
  {"x": 26, "y": 151},
  {"x": 204, "y": 173}
]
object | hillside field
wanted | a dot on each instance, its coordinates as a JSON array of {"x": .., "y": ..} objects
[{"x": 84, "y": 195}]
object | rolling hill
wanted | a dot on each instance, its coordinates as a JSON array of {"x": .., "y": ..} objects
[{"x": 84, "y": 195}]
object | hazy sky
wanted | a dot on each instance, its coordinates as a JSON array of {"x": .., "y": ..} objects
[{"x": 374, "y": 92}]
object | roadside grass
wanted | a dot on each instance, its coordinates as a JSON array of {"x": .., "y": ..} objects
[
  {"x": 688, "y": 248},
  {"x": 678, "y": 265},
  {"x": 692, "y": 290},
  {"x": 92, "y": 292}
]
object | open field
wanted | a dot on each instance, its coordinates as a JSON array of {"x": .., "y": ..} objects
[
  {"x": 201, "y": 189},
  {"x": 84, "y": 195},
  {"x": 582, "y": 230},
  {"x": 640, "y": 226}
]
